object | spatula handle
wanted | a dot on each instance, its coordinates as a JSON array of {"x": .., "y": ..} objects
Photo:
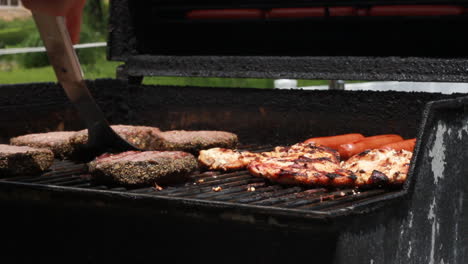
[
  {"x": 63, "y": 58},
  {"x": 67, "y": 68},
  {"x": 59, "y": 47}
]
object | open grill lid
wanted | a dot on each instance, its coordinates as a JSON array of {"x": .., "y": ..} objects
[{"x": 360, "y": 41}]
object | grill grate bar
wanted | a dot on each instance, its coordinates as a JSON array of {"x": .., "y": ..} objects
[
  {"x": 58, "y": 176},
  {"x": 205, "y": 174},
  {"x": 18, "y": 178},
  {"x": 197, "y": 186},
  {"x": 214, "y": 181},
  {"x": 99, "y": 187},
  {"x": 257, "y": 191},
  {"x": 316, "y": 199},
  {"x": 301, "y": 195},
  {"x": 228, "y": 192},
  {"x": 57, "y": 180},
  {"x": 84, "y": 185},
  {"x": 118, "y": 189},
  {"x": 143, "y": 190},
  {"x": 57, "y": 171},
  {"x": 352, "y": 203},
  {"x": 268, "y": 195},
  {"x": 219, "y": 176},
  {"x": 332, "y": 201},
  {"x": 196, "y": 191},
  {"x": 73, "y": 182}
]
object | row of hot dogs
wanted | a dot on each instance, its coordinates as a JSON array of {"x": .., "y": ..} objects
[
  {"x": 332, "y": 11},
  {"x": 349, "y": 145}
]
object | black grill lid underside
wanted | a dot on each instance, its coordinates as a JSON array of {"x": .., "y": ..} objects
[{"x": 429, "y": 48}]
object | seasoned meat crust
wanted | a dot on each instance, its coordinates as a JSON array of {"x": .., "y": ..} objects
[
  {"x": 23, "y": 160},
  {"x": 194, "y": 141},
  {"x": 151, "y": 138},
  {"x": 228, "y": 159},
  {"x": 142, "y": 137},
  {"x": 134, "y": 168},
  {"x": 379, "y": 167},
  {"x": 58, "y": 142}
]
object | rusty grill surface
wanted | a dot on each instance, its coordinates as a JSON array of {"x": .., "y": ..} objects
[{"x": 237, "y": 187}]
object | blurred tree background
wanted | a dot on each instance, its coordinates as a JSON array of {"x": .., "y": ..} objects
[{"x": 23, "y": 33}]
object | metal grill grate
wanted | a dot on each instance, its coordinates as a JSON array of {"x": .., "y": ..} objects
[{"x": 235, "y": 187}]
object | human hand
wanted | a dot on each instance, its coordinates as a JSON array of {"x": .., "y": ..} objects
[{"x": 70, "y": 9}]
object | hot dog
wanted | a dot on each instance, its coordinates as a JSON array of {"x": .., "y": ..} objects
[
  {"x": 405, "y": 144},
  {"x": 335, "y": 141},
  {"x": 225, "y": 14},
  {"x": 301, "y": 12},
  {"x": 417, "y": 10},
  {"x": 348, "y": 150}
]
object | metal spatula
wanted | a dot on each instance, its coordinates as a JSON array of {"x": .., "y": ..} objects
[{"x": 62, "y": 56}]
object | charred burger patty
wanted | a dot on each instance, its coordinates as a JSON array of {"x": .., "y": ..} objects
[
  {"x": 19, "y": 160},
  {"x": 134, "y": 168}
]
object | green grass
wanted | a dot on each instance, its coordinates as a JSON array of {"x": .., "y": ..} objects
[
  {"x": 103, "y": 69},
  {"x": 10, "y": 37},
  {"x": 11, "y": 73},
  {"x": 223, "y": 82},
  {"x": 210, "y": 82},
  {"x": 13, "y": 33}
]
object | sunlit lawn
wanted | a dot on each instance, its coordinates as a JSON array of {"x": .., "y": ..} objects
[{"x": 106, "y": 69}]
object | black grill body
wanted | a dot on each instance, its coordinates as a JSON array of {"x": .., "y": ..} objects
[
  {"x": 62, "y": 216},
  {"x": 425, "y": 220}
]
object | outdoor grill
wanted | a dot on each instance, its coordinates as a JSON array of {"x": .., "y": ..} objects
[{"x": 63, "y": 215}]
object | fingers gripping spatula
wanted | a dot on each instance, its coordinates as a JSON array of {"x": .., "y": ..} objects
[{"x": 62, "y": 56}]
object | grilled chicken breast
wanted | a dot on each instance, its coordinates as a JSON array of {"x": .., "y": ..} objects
[
  {"x": 228, "y": 159},
  {"x": 379, "y": 167},
  {"x": 320, "y": 171},
  {"x": 302, "y": 163},
  {"x": 225, "y": 159},
  {"x": 308, "y": 150}
]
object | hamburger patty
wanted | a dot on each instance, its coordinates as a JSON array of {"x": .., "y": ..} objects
[
  {"x": 142, "y": 137},
  {"x": 23, "y": 160},
  {"x": 57, "y": 142},
  {"x": 379, "y": 167},
  {"x": 134, "y": 168},
  {"x": 194, "y": 141}
]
